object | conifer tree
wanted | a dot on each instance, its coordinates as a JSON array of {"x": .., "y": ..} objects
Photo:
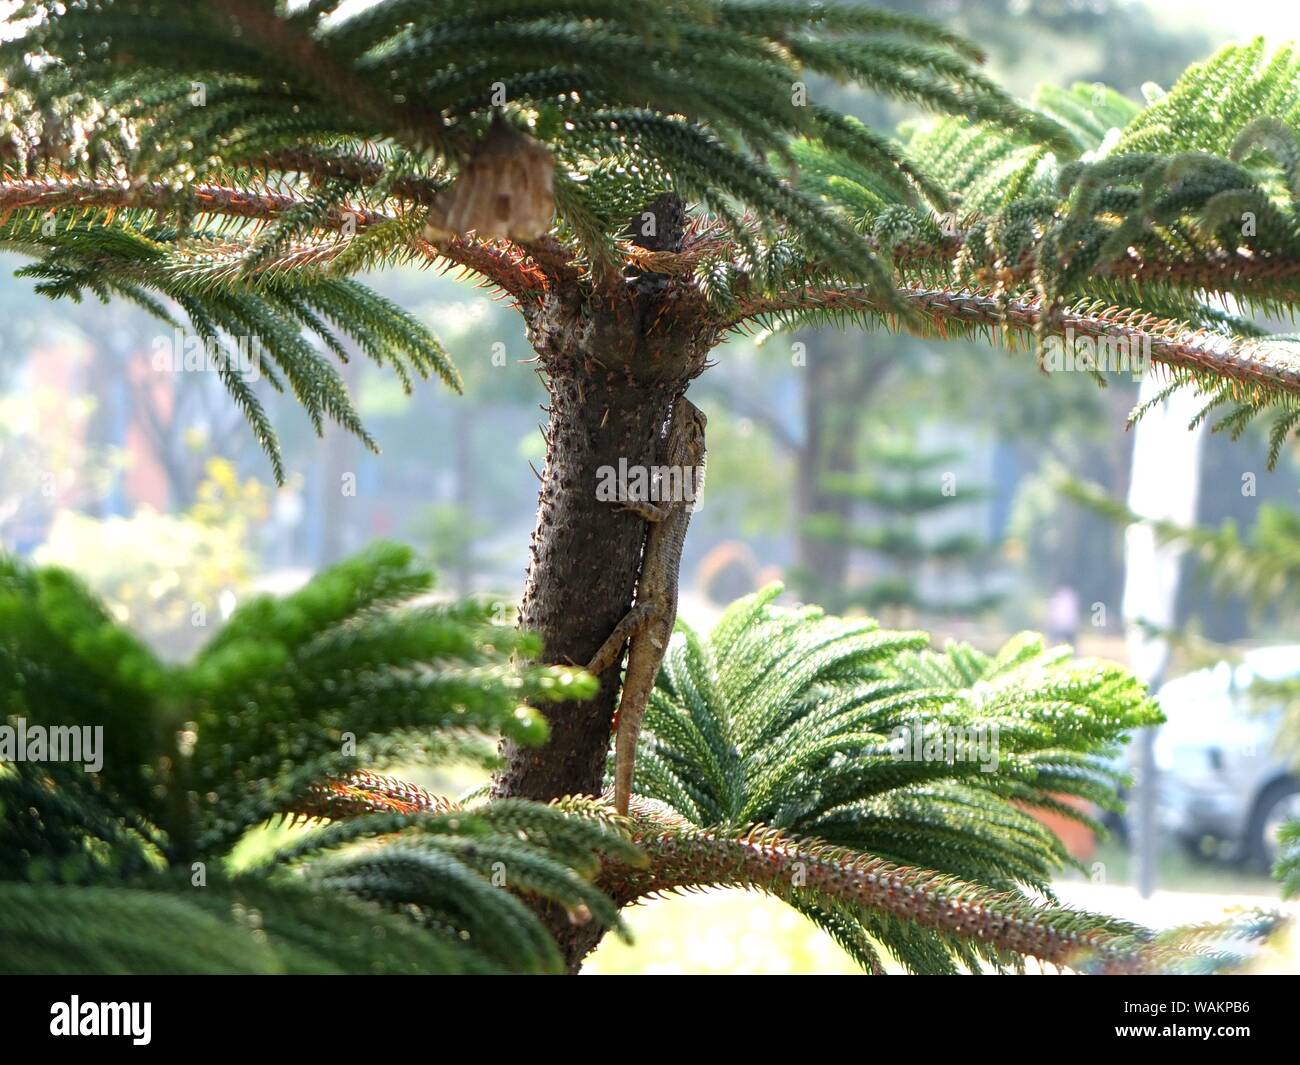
[
  {"x": 285, "y": 713},
  {"x": 236, "y": 163},
  {"x": 783, "y": 757},
  {"x": 901, "y": 486}
]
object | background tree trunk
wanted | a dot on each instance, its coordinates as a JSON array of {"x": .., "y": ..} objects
[
  {"x": 466, "y": 454},
  {"x": 822, "y": 562},
  {"x": 839, "y": 386}
]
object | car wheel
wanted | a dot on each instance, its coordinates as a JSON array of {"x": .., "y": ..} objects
[{"x": 1277, "y": 804}]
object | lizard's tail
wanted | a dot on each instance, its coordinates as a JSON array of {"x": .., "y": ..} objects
[
  {"x": 638, "y": 681},
  {"x": 624, "y": 763}
]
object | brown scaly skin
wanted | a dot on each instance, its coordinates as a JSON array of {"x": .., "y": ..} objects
[{"x": 649, "y": 624}]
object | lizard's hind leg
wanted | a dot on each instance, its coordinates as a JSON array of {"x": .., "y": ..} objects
[{"x": 633, "y": 623}]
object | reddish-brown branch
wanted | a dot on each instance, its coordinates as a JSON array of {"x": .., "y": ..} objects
[
  {"x": 792, "y": 869},
  {"x": 682, "y": 857},
  {"x": 555, "y": 260},
  {"x": 506, "y": 265},
  {"x": 322, "y": 166},
  {"x": 1248, "y": 362},
  {"x": 49, "y": 195},
  {"x": 364, "y": 793},
  {"x": 1225, "y": 272}
]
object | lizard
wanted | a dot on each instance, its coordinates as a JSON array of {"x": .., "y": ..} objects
[{"x": 649, "y": 624}]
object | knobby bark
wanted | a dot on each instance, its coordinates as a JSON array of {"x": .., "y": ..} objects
[{"x": 612, "y": 363}]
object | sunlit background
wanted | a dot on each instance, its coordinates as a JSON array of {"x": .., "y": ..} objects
[{"x": 150, "y": 486}]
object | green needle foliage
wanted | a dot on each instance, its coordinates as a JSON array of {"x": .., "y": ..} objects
[
  {"x": 790, "y": 718},
  {"x": 242, "y": 162},
  {"x": 282, "y": 714},
  {"x": 885, "y": 790},
  {"x": 239, "y": 161},
  {"x": 780, "y": 757},
  {"x": 1140, "y": 239}
]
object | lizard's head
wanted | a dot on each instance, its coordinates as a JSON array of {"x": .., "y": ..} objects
[{"x": 686, "y": 434}]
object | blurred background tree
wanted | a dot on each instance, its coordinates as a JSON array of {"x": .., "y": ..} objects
[
  {"x": 916, "y": 572},
  {"x": 168, "y": 576}
]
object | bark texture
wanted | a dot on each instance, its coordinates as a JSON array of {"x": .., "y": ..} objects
[
  {"x": 614, "y": 356},
  {"x": 612, "y": 367}
]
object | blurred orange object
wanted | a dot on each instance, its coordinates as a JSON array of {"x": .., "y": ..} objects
[{"x": 1079, "y": 840}]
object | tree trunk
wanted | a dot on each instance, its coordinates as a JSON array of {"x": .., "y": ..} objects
[
  {"x": 822, "y": 562},
  {"x": 837, "y": 391},
  {"x": 583, "y": 570},
  {"x": 612, "y": 378},
  {"x": 466, "y": 453}
]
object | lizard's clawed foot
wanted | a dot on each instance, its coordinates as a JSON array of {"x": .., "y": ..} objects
[{"x": 651, "y": 512}]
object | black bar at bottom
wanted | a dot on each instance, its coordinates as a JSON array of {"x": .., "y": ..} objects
[{"x": 260, "y": 1014}]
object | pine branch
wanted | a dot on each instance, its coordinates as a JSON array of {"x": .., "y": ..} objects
[
  {"x": 502, "y": 264},
  {"x": 970, "y": 312},
  {"x": 806, "y": 871},
  {"x": 364, "y": 792},
  {"x": 326, "y": 165},
  {"x": 197, "y": 754},
  {"x": 286, "y": 42},
  {"x": 689, "y": 93},
  {"x": 820, "y": 726}
]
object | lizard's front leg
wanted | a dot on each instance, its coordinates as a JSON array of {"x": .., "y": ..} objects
[{"x": 651, "y": 512}]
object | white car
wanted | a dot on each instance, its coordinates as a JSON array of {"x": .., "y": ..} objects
[{"x": 1223, "y": 780}]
